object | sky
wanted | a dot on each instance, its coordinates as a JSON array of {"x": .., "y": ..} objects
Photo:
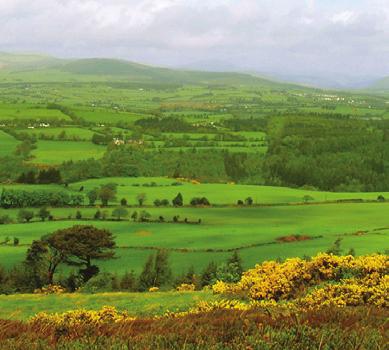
[{"x": 349, "y": 37}]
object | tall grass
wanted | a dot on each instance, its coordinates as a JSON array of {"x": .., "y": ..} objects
[{"x": 346, "y": 329}]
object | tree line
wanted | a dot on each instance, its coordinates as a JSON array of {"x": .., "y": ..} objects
[
  {"x": 80, "y": 247},
  {"x": 329, "y": 154},
  {"x": 13, "y": 198}
]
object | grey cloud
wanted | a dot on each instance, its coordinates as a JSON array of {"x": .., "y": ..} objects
[{"x": 265, "y": 35}]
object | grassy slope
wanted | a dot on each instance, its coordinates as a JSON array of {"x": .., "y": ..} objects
[
  {"x": 83, "y": 134},
  {"x": 7, "y": 144},
  {"x": 382, "y": 84},
  {"x": 23, "y": 306},
  {"x": 56, "y": 152},
  {"x": 216, "y": 193},
  {"x": 30, "y": 68},
  {"x": 224, "y": 229},
  {"x": 140, "y": 72},
  {"x": 14, "y": 61},
  {"x": 26, "y": 111}
]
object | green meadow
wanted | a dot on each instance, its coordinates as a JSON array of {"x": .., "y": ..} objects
[
  {"x": 288, "y": 171},
  {"x": 56, "y": 152},
  {"x": 108, "y": 116},
  {"x": 160, "y": 188},
  {"x": 67, "y": 133},
  {"x": 24, "y": 306},
  {"x": 8, "y": 144},
  {"x": 29, "y": 111},
  {"x": 253, "y": 231}
]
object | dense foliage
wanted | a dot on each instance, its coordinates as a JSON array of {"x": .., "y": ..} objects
[
  {"x": 109, "y": 328},
  {"x": 321, "y": 281},
  {"x": 328, "y": 153},
  {"x": 12, "y": 198},
  {"x": 344, "y": 302}
]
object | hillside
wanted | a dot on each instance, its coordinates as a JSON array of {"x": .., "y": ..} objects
[
  {"x": 126, "y": 70},
  {"x": 32, "y": 67},
  {"x": 17, "y": 62},
  {"x": 382, "y": 85}
]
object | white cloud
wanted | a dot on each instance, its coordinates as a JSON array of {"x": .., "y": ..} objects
[
  {"x": 298, "y": 35},
  {"x": 344, "y": 17}
]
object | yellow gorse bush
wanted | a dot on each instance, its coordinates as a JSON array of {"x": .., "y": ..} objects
[
  {"x": 51, "y": 289},
  {"x": 347, "y": 295},
  {"x": 185, "y": 287},
  {"x": 342, "y": 280},
  {"x": 81, "y": 317},
  {"x": 325, "y": 280},
  {"x": 204, "y": 307}
]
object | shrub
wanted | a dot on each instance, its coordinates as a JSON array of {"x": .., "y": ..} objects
[
  {"x": 381, "y": 198},
  {"x": 128, "y": 281},
  {"x": 120, "y": 213},
  {"x": 164, "y": 202},
  {"x": 5, "y": 219},
  {"x": 199, "y": 201},
  {"x": 25, "y": 215},
  {"x": 51, "y": 289},
  {"x": 103, "y": 282},
  {"x": 184, "y": 287},
  {"x": 357, "y": 281},
  {"x": 178, "y": 201},
  {"x": 249, "y": 201}
]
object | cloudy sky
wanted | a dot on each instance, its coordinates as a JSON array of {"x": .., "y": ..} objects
[{"x": 286, "y": 36}]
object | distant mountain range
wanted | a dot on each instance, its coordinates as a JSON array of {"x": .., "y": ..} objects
[
  {"x": 381, "y": 85},
  {"x": 32, "y": 67},
  {"x": 36, "y": 67},
  {"x": 12, "y": 61}
]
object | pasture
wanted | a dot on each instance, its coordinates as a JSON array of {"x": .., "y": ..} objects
[
  {"x": 107, "y": 116},
  {"x": 256, "y": 150},
  {"x": 24, "y": 306},
  {"x": 7, "y": 144},
  {"x": 56, "y": 152},
  {"x": 253, "y": 231},
  {"x": 223, "y": 112},
  {"x": 218, "y": 194},
  {"x": 28, "y": 112},
  {"x": 67, "y": 133}
]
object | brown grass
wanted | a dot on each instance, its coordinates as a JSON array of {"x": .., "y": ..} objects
[
  {"x": 293, "y": 238},
  {"x": 143, "y": 233},
  {"x": 348, "y": 328}
]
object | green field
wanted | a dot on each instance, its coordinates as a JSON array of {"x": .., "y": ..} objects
[
  {"x": 58, "y": 133},
  {"x": 111, "y": 116},
  {"x": 26, "y": 112},
  {"x": 8, "y": 144},
  {"x": 216, "y": 193},
  {"x": 299, "y": 161},
  {"x": 24, "y": 306},
  {"x": 254, "y": 231},
  {"x": 56, "y": 152}
]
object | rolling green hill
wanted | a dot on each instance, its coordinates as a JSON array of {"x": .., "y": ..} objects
[
  {"x": 13, "y": 61},
  {"x": 33, "y": 67},
  {"x": 139, "y": 72},
  {"x": 382, "y": 84}
]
